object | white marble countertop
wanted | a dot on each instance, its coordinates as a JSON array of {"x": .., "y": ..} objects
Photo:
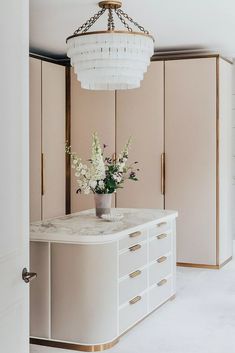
[{"x": 85, "y": 228}]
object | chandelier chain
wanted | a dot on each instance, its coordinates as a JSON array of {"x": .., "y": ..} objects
[
  {"x": 85, "y": 26},
  {"x": 123, "y": 21},
  {"x": 125, "y": 15},
  {"x": 111, "y": 25}
]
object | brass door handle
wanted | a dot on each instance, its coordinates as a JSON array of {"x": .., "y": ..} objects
[
  {"x": 135, "y": 234},
  {"x": 28, "y": 276},
  {"x": 135, "y": 300},
  {"x": 162, "y": 282},
  {"x": 135, "y": 274},
  {"x": 135, "y": 247},
  {"x": 161, "y": 236},
  {"x": 162, "y": 259}
]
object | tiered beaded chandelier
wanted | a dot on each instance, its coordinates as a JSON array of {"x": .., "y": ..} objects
[{"x": 110, "y": 59}]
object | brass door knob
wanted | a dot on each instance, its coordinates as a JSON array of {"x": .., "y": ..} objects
[{"x": 28, "y": 276}]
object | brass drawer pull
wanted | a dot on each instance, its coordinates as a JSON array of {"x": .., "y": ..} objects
[
  {"x": 161, "y": 224},
  {"x": 135, "y": 274},
  {"x": 162, "y": 282},
  {"x": 135, "y": 247},
  {"x": 161, "y": 236},
  {"x": 135, "y": 234},
  {"x": 162, "y": 259},
  {"x": 135, "y": 300}
]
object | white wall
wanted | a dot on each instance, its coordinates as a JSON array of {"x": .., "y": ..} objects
[{"x": 233, "y": 152}]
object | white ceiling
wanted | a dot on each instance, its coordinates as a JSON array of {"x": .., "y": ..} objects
[{"x": 176, "y": 24}]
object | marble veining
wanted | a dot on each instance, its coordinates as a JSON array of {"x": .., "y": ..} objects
[{"x": 85, "y": 226}]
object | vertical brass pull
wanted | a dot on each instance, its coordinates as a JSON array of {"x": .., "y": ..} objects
[
  {"x": 42, "y": 174},
  {"x": 114, "y": 156},
  {"x": 163, "y": 172}
]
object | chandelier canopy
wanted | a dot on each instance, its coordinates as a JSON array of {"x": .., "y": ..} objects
[{"x": 110, "y": 59}]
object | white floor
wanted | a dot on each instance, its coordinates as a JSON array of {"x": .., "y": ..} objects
[{"x": 200, "y": 320}]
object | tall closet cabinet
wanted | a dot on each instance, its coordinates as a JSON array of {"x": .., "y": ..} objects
[
  {"x": 198, "y": 148},
  {"x": 180, "y": 122},
  {"x": 47, "y": 139}
]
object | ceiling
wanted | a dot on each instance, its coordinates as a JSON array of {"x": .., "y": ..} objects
[{"x": 176, "y": 24}]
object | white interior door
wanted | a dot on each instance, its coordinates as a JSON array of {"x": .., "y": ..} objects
[{"x": 14, "y": 204}]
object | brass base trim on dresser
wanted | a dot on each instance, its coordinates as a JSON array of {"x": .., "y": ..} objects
[
  {"x": 73, "y": 346},
  {"x": 211, "y": 267},
  {"x": 91, "y": 348}
]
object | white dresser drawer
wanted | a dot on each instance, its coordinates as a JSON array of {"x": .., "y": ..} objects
[
  {"x": 135, "y": 283},
  {"x": 159, "y": 245},
  {"x": 160, "y": 269},
  {"x": 160, "y": 228},
  {"x": 160, "y": 293},
  {"x": 132, "y": 239},
  {"x": 132, "y": 259},
  {"x": 132, "y": 312}
]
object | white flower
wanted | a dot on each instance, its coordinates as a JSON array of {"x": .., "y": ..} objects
[
  {"x": 87, "y": 191},
  {"x": 101, "y": 184},
  {"x": 93, "y": 176},
  {"x": 80, "y": 183},
  {"x": 92, "y": 184},
  {"x": 97, "y": 167}
]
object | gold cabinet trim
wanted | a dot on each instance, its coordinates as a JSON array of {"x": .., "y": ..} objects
[
  {"x": 162, "y": 259},
  {"x": 161, "y": 236},
  {"x": 135, "y": 234},
  {"x": 135, "y": 274},
  {"x": 163, "y": 173},
  {"x": 135, "y": 247},
  {"x": 161, "y": 224},
  {"x": 135, "y": 300},
  {"x": 74, "y": 346},
  {"x": 162, "y": 282}
]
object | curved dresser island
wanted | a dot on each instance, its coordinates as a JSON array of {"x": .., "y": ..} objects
[{"x": 97, "y": 279}]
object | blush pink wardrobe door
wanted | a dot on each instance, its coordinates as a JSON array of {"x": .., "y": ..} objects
[
  {"x": 226, "y": 215},
  {"x": 91, "y": 111},
  {"x": 190, "y": 143},
  {"x": 35, "y": 138},
  {"x": 140, "y": 114},
  {"x": 53, "y": 139}
]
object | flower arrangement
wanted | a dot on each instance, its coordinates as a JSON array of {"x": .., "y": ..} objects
[{"x": 104, "y": 175}]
